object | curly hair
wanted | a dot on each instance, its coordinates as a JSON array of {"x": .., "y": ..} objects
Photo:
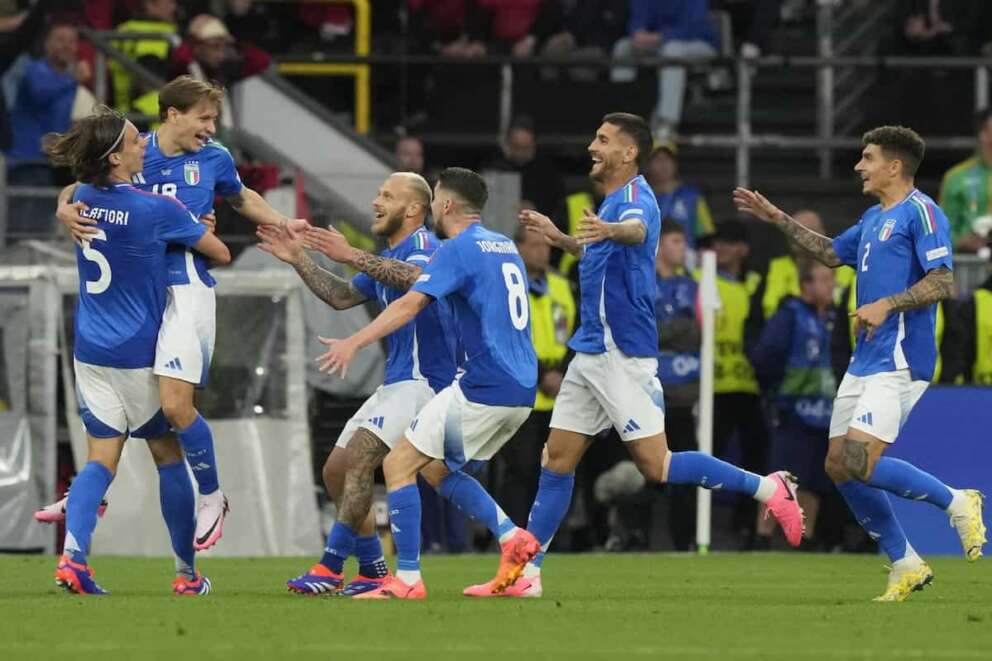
[{"x": 898, "y": 142}]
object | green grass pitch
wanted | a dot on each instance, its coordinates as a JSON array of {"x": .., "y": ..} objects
[{"x": 759, "y": 606}]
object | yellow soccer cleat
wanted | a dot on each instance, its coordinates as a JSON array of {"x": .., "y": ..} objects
[
  {"x": 970, "y": 527},
  {"x": 904, "y": 581}
]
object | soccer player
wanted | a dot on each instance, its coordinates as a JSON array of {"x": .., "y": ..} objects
[
  {"x": 122, "y": 295},
  {"x": 901, "y": 249},
  {"x": 482, "y": 276},
  {"x": 183, "y": 161},
  {"x": 613, "y": 378}
]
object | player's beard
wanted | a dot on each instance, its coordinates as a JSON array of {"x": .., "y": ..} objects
[{"x": 390, "y": 224}]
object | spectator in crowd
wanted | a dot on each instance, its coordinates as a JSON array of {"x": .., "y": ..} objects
[
  {"x": 44, "y": 104},
  {"x": 679, "y": 202},
  {"x": 939, "y": 27},
  {"x": 975, "y": 324},
  {"x": 552, "y": 320},
  {"x": 453, "y": 28},
  {"x": 793, "y": 363},
  {"x": 678, "y": 368},
  {"x": 965, "y": 194},
  {"x": 736, "y": 403},
  {"x": 157, "y": 16},
  {"x": 540, "y": 182},
  {"x": 409, "y": 153},
  {"x": 210, "y": 53},
  {"x": 679, "y": 28}
]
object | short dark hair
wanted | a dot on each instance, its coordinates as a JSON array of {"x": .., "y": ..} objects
[
  {"x": 806, "y": 267},
  {"x": 898, "y": 142},
  {"x": 638, "y": 130},
  {"x": 669, "y": 226},
  {"x": 184, "y": 92},
  {"x": 982, "y": 116},
  {"x": 731, "y": 231},
  {"x": 521, "y": 123},
  {"x": 467, "y": 185},
  {"x": 86, "y": 147}
]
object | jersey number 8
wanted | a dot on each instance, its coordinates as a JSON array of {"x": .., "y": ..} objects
[
  {"x": 101, "y": 284},
  {"x": 516, "y": 287}
]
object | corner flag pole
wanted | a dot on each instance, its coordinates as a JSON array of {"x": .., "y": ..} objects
[{"x": 709, "y": 303}]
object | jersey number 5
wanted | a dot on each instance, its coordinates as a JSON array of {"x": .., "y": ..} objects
[
  {"x": 516, "y": 287},
  {"x": 101, "y": 284}
]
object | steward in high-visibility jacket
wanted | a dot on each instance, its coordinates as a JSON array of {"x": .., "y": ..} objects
[
  {"x": 153, "y": 54},
  {"x": 976, "y": 331}
]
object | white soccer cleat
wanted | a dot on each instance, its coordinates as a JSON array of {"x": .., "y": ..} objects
[
  {"x": 55, "y": 512},
  {"x": 210, "y": 520}
]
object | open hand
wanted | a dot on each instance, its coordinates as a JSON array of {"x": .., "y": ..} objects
[
  {"x": 329, "y": 242},
  {"x": 338, "y": 356},
  {"x": 280, "y": 243},
  {"x": 592, "y": 228},
  {"x": 755, "y": 204},
  {"x": 79, "y": 227}
]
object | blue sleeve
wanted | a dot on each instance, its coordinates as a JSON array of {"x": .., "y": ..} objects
[
  {"x": 176, "y": 224},
  {"x": 642, "y": 210},
  {"x": 421, "y": 254},
  {"x": 846, "y": 245},
  {"x": 444, "y": 274},
  {"x": 227, "y": 181},
  {"x": 768, "y": 356},
  {"x": 42, "y": 85},
  {"x": 641, "y": 16},
  {"x": 931, "y": 234},
  {"x": 365, "y": 284}
]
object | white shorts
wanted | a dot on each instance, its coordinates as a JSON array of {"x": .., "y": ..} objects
[
  {"x": 610, "y": 388},
  {"x": 117, "y": 402},
  {"x": 452, "y": 428},
  {"x": 877, "y": 404},
  {"x": 388, "y": 411},
  {"x": 186, "y": 338}
]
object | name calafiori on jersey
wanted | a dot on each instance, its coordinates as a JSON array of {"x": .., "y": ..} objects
[
  {"x": 497, "y": 246},
  {"x": 112, "y": 216}
]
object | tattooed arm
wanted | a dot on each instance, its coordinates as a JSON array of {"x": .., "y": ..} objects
[
  {"x": 936, "y": 285},
  {"x": 390, "y": 272},
  {"x": 334, "y": 290},
  {"x": 818, "y": 246}
]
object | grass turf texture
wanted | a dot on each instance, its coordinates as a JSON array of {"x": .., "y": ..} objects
[{"x": 759, "y": 606}]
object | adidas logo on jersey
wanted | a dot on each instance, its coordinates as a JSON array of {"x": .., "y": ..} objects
[
  {"x": 174, "y": 364},
  {"x": 631, "y": 426},
  {"x": 377, "y": 421},
  {"x": 866, "y": 419}
]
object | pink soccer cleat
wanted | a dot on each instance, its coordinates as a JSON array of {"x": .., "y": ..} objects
[
  {"x": 210, "y": 515},
  {"x": 784, "y": 506},
  {"x": 394, "y": 588},
  {"x": 55, "y": 512},
  {"x": 527, "y": 587},
  {"x": 197, "y": 587}
]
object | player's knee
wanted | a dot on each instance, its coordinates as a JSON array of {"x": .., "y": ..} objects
[
  {"x": 653, "y": 468},
  {"x": 179, "y": 412},
  {"x": 333, "y": 475}
]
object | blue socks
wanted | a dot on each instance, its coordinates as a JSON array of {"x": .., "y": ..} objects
[
  {"x": 906, "y": 480},
  {"x": 404, "y": 517},
  {"x": 711, "y": 473},
  {"x": 873, "y": 511},
  {"x": 340, "y": 544},
  {"x": 554, "y": 496},
  {"x": 198, "y": 444},
  {"x": 85, "y": 495},
  {"x": 178, "y": 502},
  {"x": 465, "y": 493},
  {"x": 371, "y": 561}
]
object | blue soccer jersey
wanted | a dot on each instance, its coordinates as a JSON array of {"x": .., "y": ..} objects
[
  {"x": 122, "y": 272},
  {"x": 892, "y": 249},
  {"x": 484, "y": 279},
  {"x": 195, "y": 178},
  {"x": 425, "y": 347},
  {"x": 618, "y": 282}
]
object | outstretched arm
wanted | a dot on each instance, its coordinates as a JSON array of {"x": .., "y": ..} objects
[
  {"x": 819, "y": 246},
  {"x": 253, "y": 206},
  {"x": 390, "y": 272},
  {"x": 538, "y": 222}
]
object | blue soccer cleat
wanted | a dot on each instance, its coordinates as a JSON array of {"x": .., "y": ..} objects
[
  {"x": 362, "y": 584},
  {"x": 318, "y": 580},
  {"x": 76, "y": 578}
]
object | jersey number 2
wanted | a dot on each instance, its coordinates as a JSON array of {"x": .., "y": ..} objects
[
  {"x": 101, "y": 284},
  {"x": 864, "y": 258},
  {"x": 516, "y": 288}
]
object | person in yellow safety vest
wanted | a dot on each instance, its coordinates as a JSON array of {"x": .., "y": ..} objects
[
  {"x": 552, "y": 321},
  {"x": 156, "y": 16},
  {"x": 575, "y": 206},
  {"x": 975, "y": 323},
  {"x": 737, "y": 410},
  {"x": 782, "y": 277}
]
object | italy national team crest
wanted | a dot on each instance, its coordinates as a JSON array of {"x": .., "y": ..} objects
[
  {"x": 191, "y": 173},
  {"x": 887, "y": 228}
]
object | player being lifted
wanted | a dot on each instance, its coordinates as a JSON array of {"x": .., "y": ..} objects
[
  {"x": 122, "y": 294},
  {"x": 901, "y": 249},
  {"x": 612, "y": 379},
  {"x": 183, "y": 161},
  {"x": 420, "y": 362},
  {"x": 482, "y": 277}
]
